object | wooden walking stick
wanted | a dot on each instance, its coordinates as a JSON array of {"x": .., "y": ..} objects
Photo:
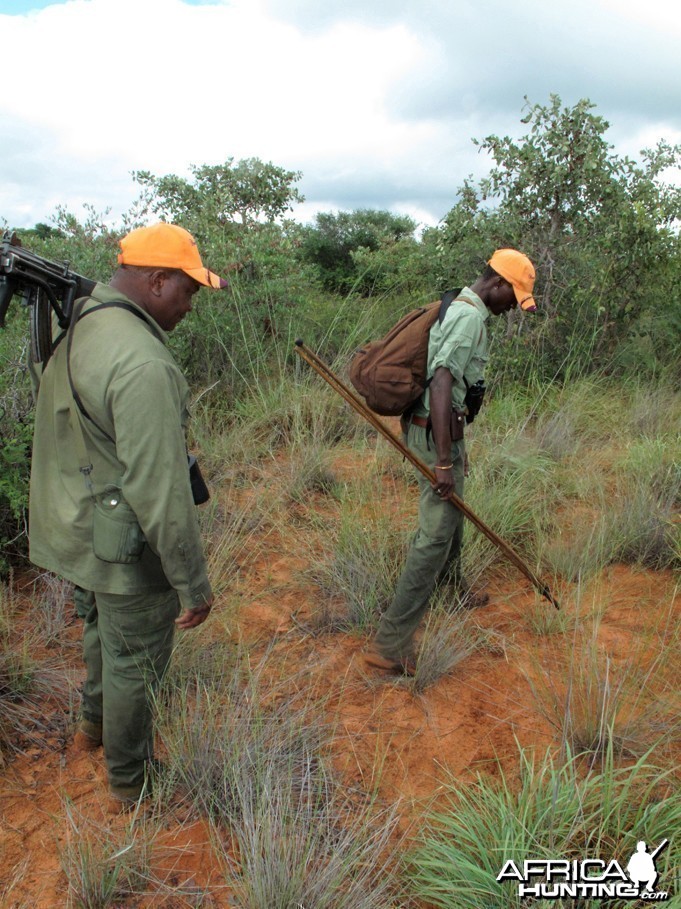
[{"x": 332, "y": 379}]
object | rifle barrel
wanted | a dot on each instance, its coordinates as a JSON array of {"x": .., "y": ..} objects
[{"x": 46, "y": 286}]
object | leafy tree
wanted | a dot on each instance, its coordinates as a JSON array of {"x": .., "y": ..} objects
[
  {"x": 335, "y": 239},
  {"x": 236, "y": 211},
  {"x": 240, "y": 195},
  {"x": 600, "y": 228},
  {"x": 16, "y": 426}
]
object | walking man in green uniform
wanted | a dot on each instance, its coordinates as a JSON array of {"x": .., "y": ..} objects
[
  {"x": 111, "y": 505},
  {"x": 457, "y": 354}
]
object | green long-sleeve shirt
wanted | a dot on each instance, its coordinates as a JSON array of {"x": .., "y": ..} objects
[{"x": 132, "y": 388}]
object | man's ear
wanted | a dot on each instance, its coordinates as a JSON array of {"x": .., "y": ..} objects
[{"x": 157, "y": 279}]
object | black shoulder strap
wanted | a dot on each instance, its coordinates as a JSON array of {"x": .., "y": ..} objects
[
  {"x": 77, "y": 315},
  {"x": 446, "y": 300}
]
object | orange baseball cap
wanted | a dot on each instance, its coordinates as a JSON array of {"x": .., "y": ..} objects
[
  {"x": 167, "y": 246},
  {"x": 517, "y": 269}
]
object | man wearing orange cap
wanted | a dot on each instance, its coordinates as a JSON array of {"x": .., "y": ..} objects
[
  {"x": 111, "y": 506},
  {"x": 457, "y": 354}
]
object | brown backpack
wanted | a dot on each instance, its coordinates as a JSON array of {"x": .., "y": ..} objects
[{"x": 390, "y": 374}]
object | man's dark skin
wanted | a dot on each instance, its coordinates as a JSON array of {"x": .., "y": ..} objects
[
  {"x": 499, "y": 297},
  {"x": 166, "y": 294}
]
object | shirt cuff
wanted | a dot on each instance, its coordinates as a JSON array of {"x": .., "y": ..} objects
[
  {"x": 195, "y": 596},
  {"x": 454, "y": 368}
]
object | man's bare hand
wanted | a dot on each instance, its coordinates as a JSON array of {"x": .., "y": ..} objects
[
  {"x": 444, "y": 482},
  {"x": 191, "y": 618}
]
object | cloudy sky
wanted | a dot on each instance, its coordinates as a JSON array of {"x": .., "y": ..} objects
[{"x": 375, "y": 101}]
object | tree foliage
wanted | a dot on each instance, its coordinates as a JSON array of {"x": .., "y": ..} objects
[
  {"x": 336, "y": 240},
  {"x": 601, "y": 229},
  {"x": 235, "y": 195}
]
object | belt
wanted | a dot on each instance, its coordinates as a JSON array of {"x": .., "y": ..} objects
[{"x": 456, "y": 425}]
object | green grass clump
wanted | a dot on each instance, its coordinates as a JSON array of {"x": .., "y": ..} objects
[
  {"x": 357, "y": 579},
  {"x": 644, "y": 528},
  {"x": 315, "y": 848},
  {"x": 600, "y": 703},
  {"x": 582, "y": 551},
  {"x": 222, "y": 740},
  {"x": 104, "y": 866},
  {"x": 512, "y": 487},
  {"x": 253, "y": 757},
  {"x": 449, "y": 638},
  {"x": 554, "y": 811},
  {"x": 310, "y": 474}
]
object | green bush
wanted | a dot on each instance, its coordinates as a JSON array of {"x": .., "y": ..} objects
[{"x": 16, "y": 430}]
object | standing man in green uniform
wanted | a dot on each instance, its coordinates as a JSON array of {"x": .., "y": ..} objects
[
  {"x": 111, "y": 505},
  {"x": 457, "y": 354}
]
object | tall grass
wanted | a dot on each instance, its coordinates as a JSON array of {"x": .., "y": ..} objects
[
  {"x": 253, "y": 757},
  {"x": 449, "y": 638},
  {"x": 28, "y": 679},
  {"x": 602, "y": 704},
  {"x": 310, "y": 849},
  {"x": 53, "y": 602},
  {"x": 512, "y": 487},
  {"x": 357, "y": 579},
  {"x": 555, "y": 811},
  {"x": 222, "y": 741},
  {"x": 585, "y": 547},
  {"x": 235, "y": 525},
  {"x": 104, "y": 866},
  {"x": 309, "y": 473}
]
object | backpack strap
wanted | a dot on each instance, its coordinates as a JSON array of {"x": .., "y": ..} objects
[
  {"x": 446, "y": 301},
  {"x": 448, "y": 297}
]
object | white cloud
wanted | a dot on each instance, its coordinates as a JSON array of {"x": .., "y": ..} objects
[
  {"x": 183, "y": 80},
  {"x": 376, "y": 102}
]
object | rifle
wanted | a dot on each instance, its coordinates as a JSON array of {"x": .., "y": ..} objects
[{"x": 46, "y": 287}]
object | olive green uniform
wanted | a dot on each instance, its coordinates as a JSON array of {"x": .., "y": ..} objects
[
  {"x": 460, "y": 345},
  {"x": 128, "y": 538}
]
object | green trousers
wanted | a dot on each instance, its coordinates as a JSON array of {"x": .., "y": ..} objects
[
  {"x": 127, "y": 642},
  {"x": 434, "y": 555}
]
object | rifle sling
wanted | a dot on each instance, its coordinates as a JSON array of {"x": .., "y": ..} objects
[{"x": 78, "y": 314}]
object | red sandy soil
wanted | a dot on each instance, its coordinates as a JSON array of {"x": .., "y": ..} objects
[{"x": 469, "y": 722}]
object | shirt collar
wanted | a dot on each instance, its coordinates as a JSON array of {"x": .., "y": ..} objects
[
  {"x": 471, "y": 297},
  {"x": 104, "y": 293}
]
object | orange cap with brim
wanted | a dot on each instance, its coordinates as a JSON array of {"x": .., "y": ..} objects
[
  {"x": 517, "y": 269},
  {"x": 167, "y": 246}
]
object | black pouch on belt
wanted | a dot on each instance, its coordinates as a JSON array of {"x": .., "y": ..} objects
[
  {"x": 200, "y": 492},
  {"x": 456, "y": 425}
]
